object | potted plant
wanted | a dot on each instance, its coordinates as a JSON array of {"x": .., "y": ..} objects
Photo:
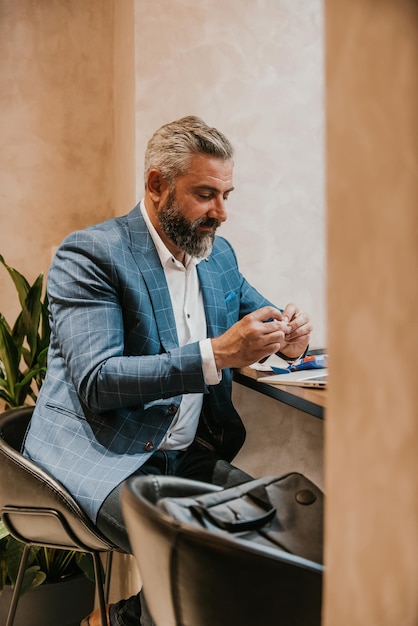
[
  {"x": 58, "y": 584},
  {"x": 24, "y": 346},
  {"x": 23, "y": 361}
]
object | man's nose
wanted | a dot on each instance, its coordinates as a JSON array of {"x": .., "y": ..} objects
[{"x": 218, "y": 209}]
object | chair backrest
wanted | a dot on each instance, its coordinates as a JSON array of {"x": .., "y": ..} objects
[
  {"x": 195, "y": 576},
  {"x": 34, "y": 506}
]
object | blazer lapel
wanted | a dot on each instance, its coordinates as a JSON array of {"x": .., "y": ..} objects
[
  {"x": 148, "y": 261},
  {"x": 213, "y": 297}
]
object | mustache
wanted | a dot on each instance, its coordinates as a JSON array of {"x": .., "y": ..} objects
[{"x": 207, "y": 222}]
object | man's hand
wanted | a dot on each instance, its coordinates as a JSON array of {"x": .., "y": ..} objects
[
  {"x": 255, "y": 336},
  {"x": 296, "y": 340}
]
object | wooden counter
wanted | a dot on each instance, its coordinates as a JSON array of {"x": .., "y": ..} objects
[{"x": 312, "y": 401}]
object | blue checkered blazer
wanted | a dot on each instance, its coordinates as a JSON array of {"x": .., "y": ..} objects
[{"x": 116, "y": 374}]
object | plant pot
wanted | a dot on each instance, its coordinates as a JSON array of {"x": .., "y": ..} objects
[{"x": 64, "y": 603}]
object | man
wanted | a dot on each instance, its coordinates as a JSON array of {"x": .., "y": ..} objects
[{"x": 148, "y": 314}]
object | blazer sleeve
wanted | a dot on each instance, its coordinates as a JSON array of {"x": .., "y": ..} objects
[{"x": 104, "y": 332}]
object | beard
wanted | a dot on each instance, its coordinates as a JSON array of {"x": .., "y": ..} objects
[{"x": 183, "y": 233}]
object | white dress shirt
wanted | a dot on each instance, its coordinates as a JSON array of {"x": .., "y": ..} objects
[{"x": 189, "y": 314}]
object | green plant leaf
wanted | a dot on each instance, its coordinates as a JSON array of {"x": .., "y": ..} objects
[
  {"x": 31, "y": 313},
  {"x": 33, "y": 578},
  {"x": 24, "y": 347},
  {"x": 4, "y": 535},
  {"x": 45, "y": 330},
  {"x": 3, "y": 530},
  {"x": 14, "y": 550},
  {"x": 9, "y": 353},
  {"x": 4, "y": 321},
  {"x": 21, "y": 284},
  {"x": 29, "y": 376},
  {"x": 58, "y": 564},
  {"x": 18, "y": 331},
  {"x": 8, "y": 400},
  {"x": 85, "y": 563},
  {"x": 3, "y": 571}
]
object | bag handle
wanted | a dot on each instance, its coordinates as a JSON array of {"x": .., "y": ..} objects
[{"x": 220, "y": 515}]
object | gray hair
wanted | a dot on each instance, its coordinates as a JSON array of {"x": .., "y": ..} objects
[{"x": 172, "y": 146}]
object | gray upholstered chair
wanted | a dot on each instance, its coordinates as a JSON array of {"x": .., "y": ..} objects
[
  {"x": 37, "y": 510},
  {"x": 195, "y": 577}
]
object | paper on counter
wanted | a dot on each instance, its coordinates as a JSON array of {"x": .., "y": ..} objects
[{"x": 273, "y": 360}]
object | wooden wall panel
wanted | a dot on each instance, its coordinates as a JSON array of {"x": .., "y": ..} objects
[{"x": 372, "y": 427}]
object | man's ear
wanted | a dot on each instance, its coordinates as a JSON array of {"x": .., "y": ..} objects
[{"x": 156, "y": 184}]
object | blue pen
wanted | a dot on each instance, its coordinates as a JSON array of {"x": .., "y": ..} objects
[
  {"x": 279, "y": 370},
  {"x": 308, "y": 363}
]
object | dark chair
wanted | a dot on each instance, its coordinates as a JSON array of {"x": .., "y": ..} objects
[
  {"x": 193, "y": 576},
  {"x": 37, "y": 510}
]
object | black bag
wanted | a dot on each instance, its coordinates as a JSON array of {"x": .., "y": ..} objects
[{"x": 285, "y": 512}]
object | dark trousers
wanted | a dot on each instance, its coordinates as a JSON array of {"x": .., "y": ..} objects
[{"x": 197, "y": 463}]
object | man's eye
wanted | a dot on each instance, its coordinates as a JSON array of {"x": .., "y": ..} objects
[{"x": 205, "y": 196}]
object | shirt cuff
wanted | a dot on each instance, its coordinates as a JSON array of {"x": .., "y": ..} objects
[{"x": 211, "y": 375}]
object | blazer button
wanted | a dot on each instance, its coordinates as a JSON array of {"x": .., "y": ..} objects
[
  {"x": 172, "y": 409},
  {"x": 149, "y": 446}
]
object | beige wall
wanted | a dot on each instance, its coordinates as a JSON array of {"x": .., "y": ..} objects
[
  {"x": 371, "y": 426},
  {"x": 253, "y": 68},
  {"x": 66, "y": 125}
]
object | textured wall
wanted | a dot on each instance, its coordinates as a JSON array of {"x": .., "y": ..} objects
[
  {"x": 67, "y": 102},
  {"x": 255, "y": 70},
  {"x": 280, "y": 439},
  {"x": 56, "y": 127}
]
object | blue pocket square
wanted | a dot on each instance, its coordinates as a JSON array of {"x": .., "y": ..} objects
[{"x": 230, "y": 297}]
